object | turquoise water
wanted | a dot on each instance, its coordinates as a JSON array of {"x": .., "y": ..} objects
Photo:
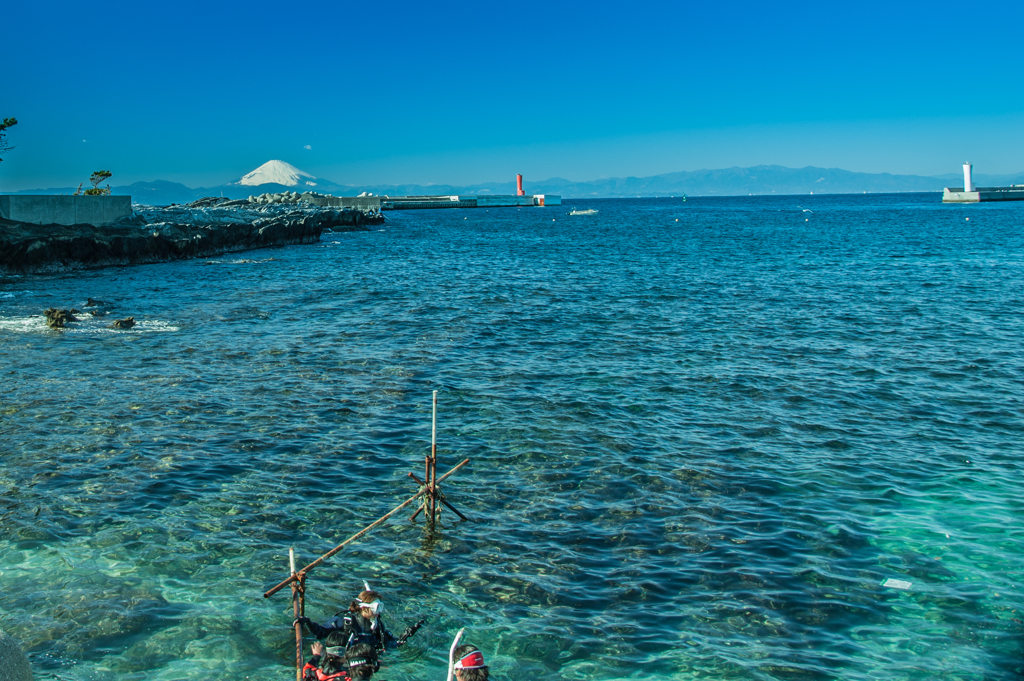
[{"x": 699, "y": 448}]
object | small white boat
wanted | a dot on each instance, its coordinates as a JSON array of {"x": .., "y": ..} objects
[{"x": 588, "y": 211}]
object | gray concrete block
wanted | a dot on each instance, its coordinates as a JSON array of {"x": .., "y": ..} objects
[
  {"x": 359, "y": 202},
  {"x": 65, "y": 210},
  {"x": 13, "y": 663},
  {"x": 43, "y": 210},
  {"x": 960, "y": 196},
  {"x": 101, "y": 210}
]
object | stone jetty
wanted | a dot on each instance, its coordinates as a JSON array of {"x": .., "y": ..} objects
[{"x": 207, "y": 227}]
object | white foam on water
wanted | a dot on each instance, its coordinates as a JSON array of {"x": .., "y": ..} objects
[
  {"x": 251, "y": 261},
  {"x": 6, "y": 294},
  {"x": 155, "y": 326},
  {"x": 23, "y": 324},
  {"x": 86, "y": 324}
]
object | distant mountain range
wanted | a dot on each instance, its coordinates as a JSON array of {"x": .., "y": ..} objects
[{"x": 277, "y": 176}]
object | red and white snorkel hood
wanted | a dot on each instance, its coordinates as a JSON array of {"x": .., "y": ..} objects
[{"x": 473, "y": 660}]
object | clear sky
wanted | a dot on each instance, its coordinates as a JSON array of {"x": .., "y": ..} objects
[{"x": 382, "y": 92}]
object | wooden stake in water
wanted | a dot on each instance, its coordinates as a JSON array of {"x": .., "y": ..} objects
[{"x": 298, "y": 613}]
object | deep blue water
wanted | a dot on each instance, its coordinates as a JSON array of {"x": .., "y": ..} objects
[{"x": 704, "y": 435}]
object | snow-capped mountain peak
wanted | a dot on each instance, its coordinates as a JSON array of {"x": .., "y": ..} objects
[{"x": 278, "y": 172}]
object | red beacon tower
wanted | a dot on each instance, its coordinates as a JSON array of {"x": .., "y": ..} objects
[{"x": 519, "y": 185}]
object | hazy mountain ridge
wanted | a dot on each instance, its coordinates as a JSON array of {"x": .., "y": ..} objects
[{"x": 766, "y": 179}]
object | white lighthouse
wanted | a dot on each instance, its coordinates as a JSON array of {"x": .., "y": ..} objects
[{"x": 972, "y": 194}]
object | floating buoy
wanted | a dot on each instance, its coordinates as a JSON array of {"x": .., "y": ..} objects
[
  {"x": 966, "y": 218},
  {"x": 677, "y": 219}
]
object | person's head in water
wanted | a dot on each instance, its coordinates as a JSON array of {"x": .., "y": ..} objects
[
  {"x": 361, "y": 660},
  {"x": 367, "y": 604},
  {"x": 469, "y": 664}
]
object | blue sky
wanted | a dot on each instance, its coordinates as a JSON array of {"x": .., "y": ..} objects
[{"x": 201, "y": 93}]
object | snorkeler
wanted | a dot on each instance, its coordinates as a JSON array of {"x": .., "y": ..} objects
[
  {"x": 362, "y": 623},
  {"x": 469, "y": 664},
  {"x": 335, "y": 664},
  {"x": 466, "y": 661}
]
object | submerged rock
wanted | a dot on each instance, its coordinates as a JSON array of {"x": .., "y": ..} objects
[
  {"x": 57, "y": 319},
  {"x": 126, "y": 323},
  {"x": 13, "y": 663}
]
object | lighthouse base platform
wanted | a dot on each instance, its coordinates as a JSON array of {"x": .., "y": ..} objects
[{"x": 981, "y": 194}]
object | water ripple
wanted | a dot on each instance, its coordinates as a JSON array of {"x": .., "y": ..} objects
[{"x": 703, "y": 449}]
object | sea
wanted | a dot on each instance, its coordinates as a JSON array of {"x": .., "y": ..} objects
[{"x": 736, "y": 438}]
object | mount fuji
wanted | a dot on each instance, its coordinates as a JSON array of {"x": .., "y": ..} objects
[
  {"x": 271, "y": 177},
  {"x": 277, "y": 172}
]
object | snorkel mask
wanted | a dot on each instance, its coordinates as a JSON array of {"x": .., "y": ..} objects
[
  {"x": 376, "y": 607},
  {"x": 359, "y": 662}
]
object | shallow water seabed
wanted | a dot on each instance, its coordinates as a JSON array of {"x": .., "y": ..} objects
[{"x": 699, "y": 447}]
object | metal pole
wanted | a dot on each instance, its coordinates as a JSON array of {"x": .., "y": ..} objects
[
  {"x": 441, "y": 497},
  {"x": 439, "y": 481},
  {"x": 302, "y": 573},
  {"x": 302, "y": 596},
  {"x": 298, "y": 613},
  {"x": 432, "y": 480}
]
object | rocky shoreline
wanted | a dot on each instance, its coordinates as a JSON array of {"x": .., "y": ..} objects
[{"x": 201, "y": 229}]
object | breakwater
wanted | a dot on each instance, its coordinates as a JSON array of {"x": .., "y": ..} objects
[
  {"x": 201, "y": 229},
  {"x": 381, "y": 203}
]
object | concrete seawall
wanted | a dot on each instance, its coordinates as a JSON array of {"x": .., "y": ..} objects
[
  {"x": 65, "y": 210},
  {"x": 429, "y": 202}
]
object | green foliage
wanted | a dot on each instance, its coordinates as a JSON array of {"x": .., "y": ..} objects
[
  {"x": 95, "y": 179},
  {"x": 6, "y": 123},
  {"x": 99, "y": 176}
]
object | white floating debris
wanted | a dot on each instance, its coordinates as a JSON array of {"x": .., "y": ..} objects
[{"x": 897, "y": 583}]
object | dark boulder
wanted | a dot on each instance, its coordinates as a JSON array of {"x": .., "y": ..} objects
[{"x": 57, "y": 319}]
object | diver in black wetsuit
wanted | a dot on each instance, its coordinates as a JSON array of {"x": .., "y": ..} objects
[
  {"x": 362, "y": 623},
  {"x": 335, "y": 664}
]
